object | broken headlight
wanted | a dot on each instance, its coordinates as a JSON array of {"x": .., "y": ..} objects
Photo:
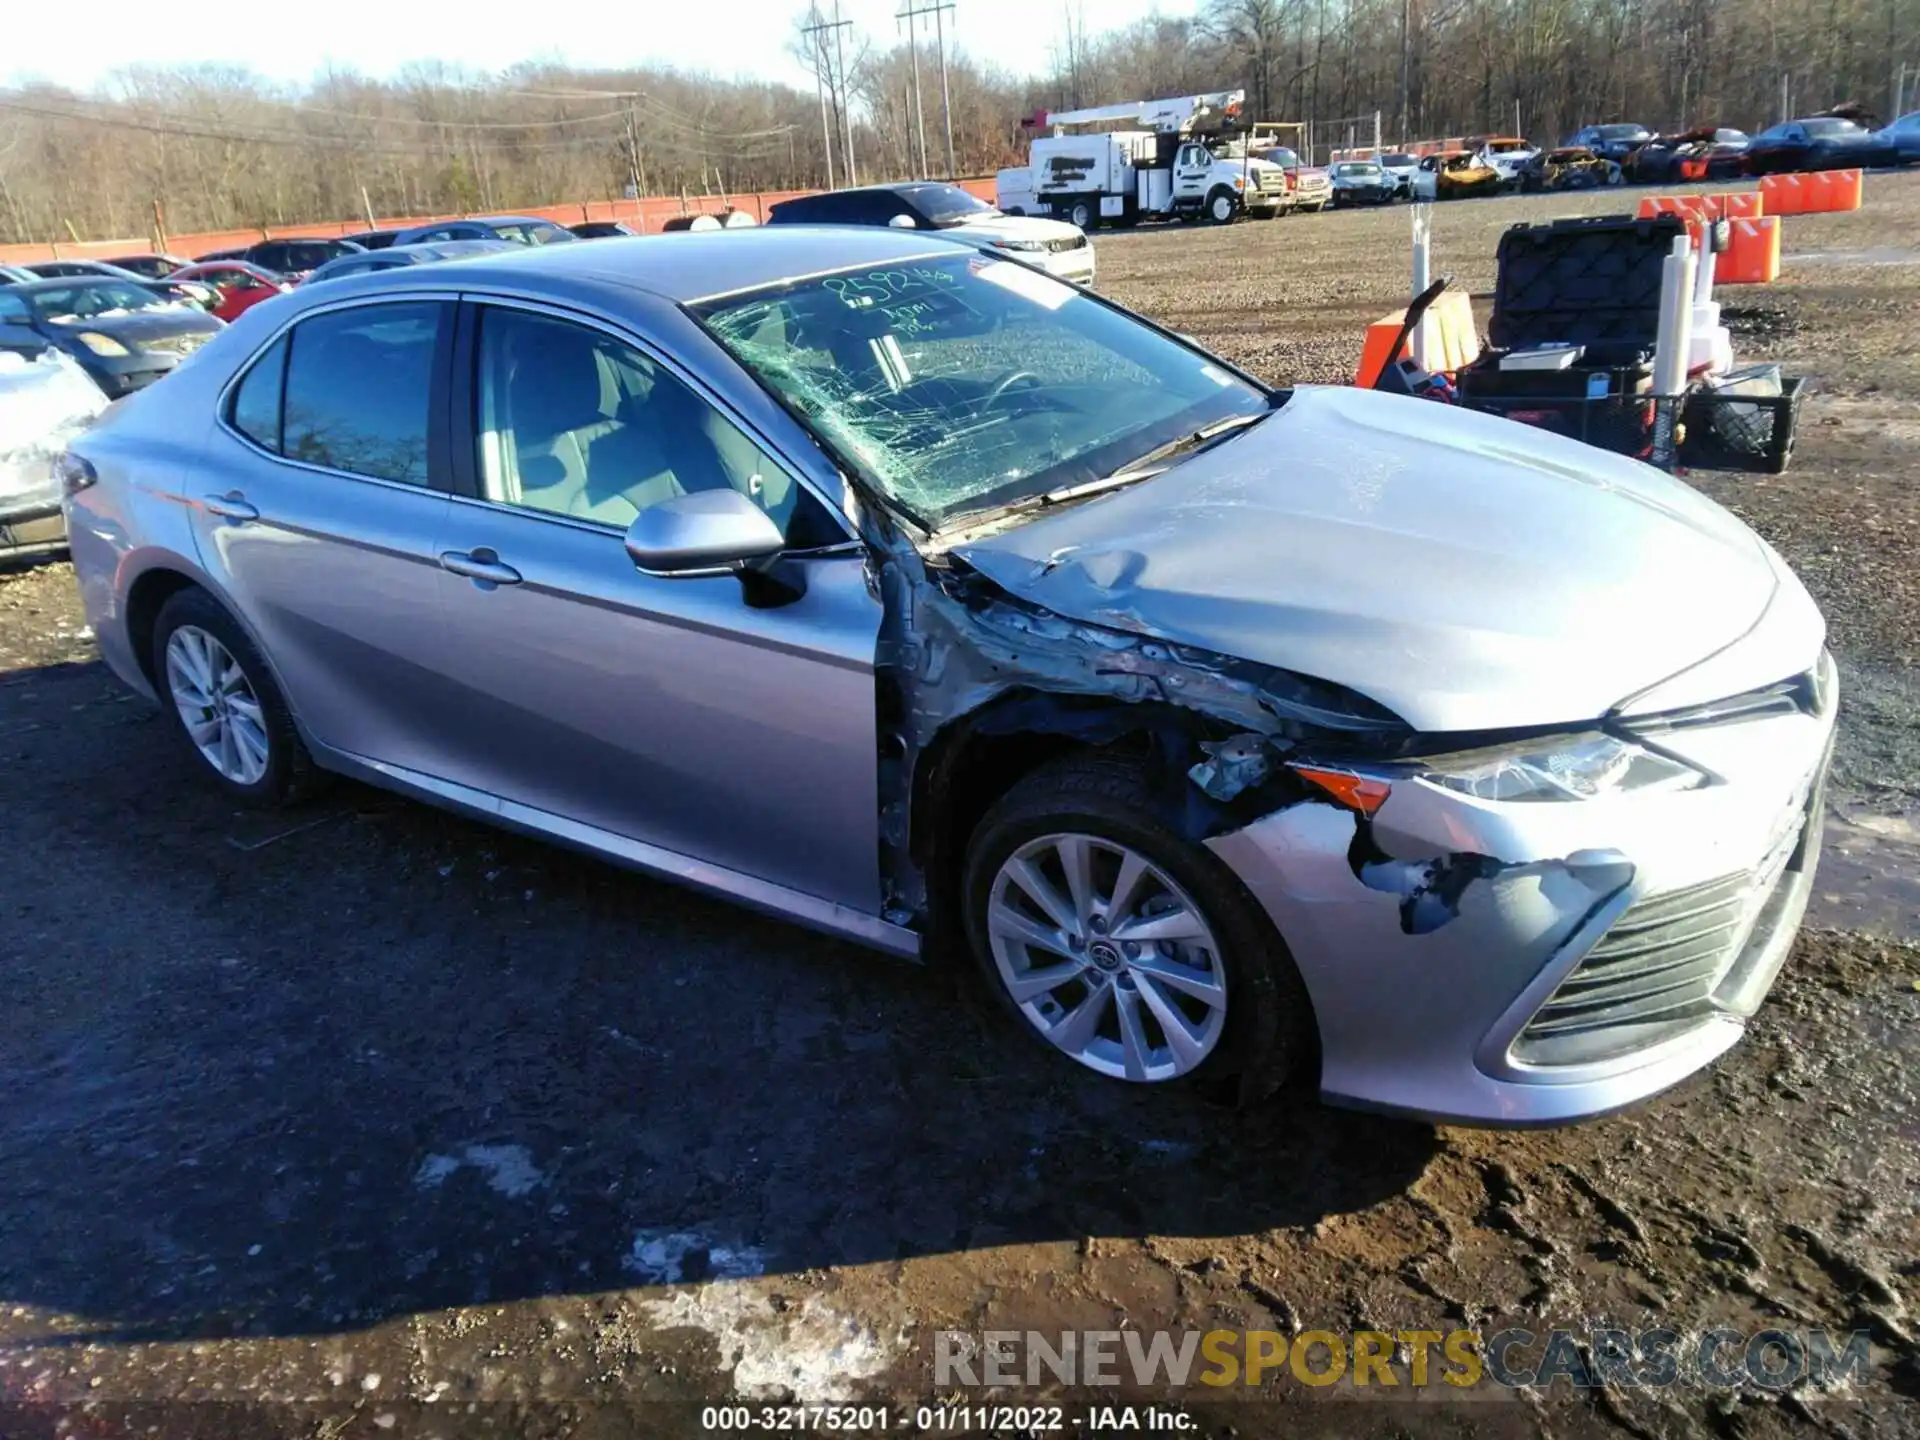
[{"x": 1568, "y": 767}]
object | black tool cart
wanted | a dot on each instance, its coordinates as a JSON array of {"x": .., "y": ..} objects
[{"x": 1576, "y": 311}]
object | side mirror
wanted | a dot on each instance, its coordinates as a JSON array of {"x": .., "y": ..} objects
[
  {"x": 903, "y": 222},
  {"x": 707, "y": 531}
]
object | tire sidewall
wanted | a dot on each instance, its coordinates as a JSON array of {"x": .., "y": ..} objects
[
  {"x": 1080, "y": 214},
  {"x": 284, "y": 755},
  {"x": 1253, "y": 991},
  {"x": 1215, "y": 201}
]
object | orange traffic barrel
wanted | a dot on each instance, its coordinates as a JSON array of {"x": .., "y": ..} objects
[{"x": 1742, "y": 204}]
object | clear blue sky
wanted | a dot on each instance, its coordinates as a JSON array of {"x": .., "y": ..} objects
[{"x": 49, "y": 41}]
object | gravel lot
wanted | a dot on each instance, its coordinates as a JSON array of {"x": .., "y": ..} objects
[{"x": 370, "y": 1120}]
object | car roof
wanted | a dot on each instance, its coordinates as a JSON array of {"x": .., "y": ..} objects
[{"x": 691, "y": 265}]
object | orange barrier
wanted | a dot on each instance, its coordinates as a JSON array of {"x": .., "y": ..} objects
[
  {"x": 1814, "y": 193},
  {"x": 1450, "y": 333},
  {"x": 649, "y": 216},
  {"x": 1752, "y": 256},
  {"x": 1731, "y": 205}
]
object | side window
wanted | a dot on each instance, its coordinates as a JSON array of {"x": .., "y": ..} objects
[
  {"x": 13, "y": 309},
  {"x": 358, "y": 390},
  {"x": 573, "y": 422},
  {"x": 255, "y": 409}
]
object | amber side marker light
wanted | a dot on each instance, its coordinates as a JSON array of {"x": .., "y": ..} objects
[{"x": 1355, "y": 792}]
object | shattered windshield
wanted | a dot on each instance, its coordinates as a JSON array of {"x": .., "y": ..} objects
[
  {"x": 94, "y": 300},
  {"x": 958, "y": 384}
]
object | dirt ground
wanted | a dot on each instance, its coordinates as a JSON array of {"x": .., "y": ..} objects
[{"x": 373, "y": 1121}]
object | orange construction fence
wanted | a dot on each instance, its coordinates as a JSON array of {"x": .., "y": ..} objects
[
  {"x": 649, "y": 216},
  {"x": 1816, "y": 192},
  {"x": 1752, "y": 256},
  {"x": 1730, "y": 205}
]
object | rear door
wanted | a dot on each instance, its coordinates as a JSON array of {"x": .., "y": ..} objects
[
  {"x": 317, "y": 510},
  {"x": 668, "y": 711}
]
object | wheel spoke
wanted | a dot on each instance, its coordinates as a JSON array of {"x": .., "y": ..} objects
[
  {"x": 1076, "y": 1030},
  {"x": 242, "y": 704},
  {"x": 1188, "y": 1048},
  {"x": 1035, "y": 983},
  {"x": 1180, "y": 924},
  {"x": 252, "y": 744},
  {"x": 1200, "y": 984},
  {"x": 200, "y": 660},
  {"x": 1133, "y": 1035},
  {"x": 1132, "y": 871},
  {"x": 1076, "y": 863},
  {"x": 1027, "y": 876},
  {"x": 1010, "y": 924},
  {"x": 201, "y": 732}
]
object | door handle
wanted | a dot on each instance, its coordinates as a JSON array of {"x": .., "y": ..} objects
[
  {"x": 230, "y": 506},
  {"x": 480, "y": 564}
]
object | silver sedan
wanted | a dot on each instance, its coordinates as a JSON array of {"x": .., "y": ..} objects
[{"x": 913, "y": 595}]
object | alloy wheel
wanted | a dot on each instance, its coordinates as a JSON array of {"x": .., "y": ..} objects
[
  {"x": 1107, "y": 957},
  {"x": 217, "y": 705}
]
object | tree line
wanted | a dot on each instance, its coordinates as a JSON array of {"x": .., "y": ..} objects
[{"x": 216, "y": 147}]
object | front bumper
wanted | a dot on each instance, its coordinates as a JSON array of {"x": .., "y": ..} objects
[
  {"x": 1604, "y": 951},
  {"x": 1076, "y": 266}
]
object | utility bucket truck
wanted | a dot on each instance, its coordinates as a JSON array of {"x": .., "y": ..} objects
[{"x": 1160, "y": 162}]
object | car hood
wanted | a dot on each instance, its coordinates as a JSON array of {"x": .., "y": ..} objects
[
  {"x": 1467, "y": 572},
  {"x": 139, "y": 328},
  {"x": 1015, "y": 227}
]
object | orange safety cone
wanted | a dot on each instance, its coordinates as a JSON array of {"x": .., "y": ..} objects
[{"x": 1752, "y": 256}]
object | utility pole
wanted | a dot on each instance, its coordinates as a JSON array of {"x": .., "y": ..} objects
[
  {"x": 633, "y": 151},
  {"x": 911, "y": 15},
  {"x": 829, "y": 76},
  {"x": 846, "y": 96},
  {"x": 912, "y": 18}
]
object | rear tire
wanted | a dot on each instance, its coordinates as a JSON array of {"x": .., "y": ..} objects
[
  {"x": 1202, "y": 955},
  {"x": 226, "y": 708},
  {"x": 1080, "y": 214}
]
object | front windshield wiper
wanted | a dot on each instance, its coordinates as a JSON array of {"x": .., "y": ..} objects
[{"x": 1145, "y": 467}]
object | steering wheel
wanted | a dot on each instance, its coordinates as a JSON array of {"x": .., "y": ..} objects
[{"x": 1005, "y": 383}]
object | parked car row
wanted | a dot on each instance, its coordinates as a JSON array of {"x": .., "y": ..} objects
[{"x": 1815, "y": 142}]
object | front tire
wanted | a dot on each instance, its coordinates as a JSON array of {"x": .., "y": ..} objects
[
  {"x": 1081, "y": 215},
  {"x": 1221, "y": 207},
  {"x": 1123, "y": 945},
  {"x": 226, "y": 706}
]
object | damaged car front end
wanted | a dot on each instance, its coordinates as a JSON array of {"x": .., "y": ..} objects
[{"x": 1449, "y": 703}]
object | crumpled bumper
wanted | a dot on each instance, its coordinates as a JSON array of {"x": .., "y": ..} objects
[{"x": 1597, "y": 953}]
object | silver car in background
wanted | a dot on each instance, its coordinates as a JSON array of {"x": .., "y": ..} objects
[{"x": 927, "y": 600}]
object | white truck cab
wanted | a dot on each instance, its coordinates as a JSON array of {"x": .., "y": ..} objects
[{"x": 1120, "y": 176}]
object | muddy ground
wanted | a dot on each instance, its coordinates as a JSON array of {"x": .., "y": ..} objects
[{"x": 374, "y": 1121}]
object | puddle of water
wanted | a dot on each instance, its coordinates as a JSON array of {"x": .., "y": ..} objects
[{"x": 1877, "y": 255}]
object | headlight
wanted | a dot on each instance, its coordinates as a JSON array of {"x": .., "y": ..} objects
[
  {"x": 1568, "y": 767},
  {"x": 1028, "y": 245},
  {"x": 101, "y": 344}
]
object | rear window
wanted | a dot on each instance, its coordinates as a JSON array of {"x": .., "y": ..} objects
[
  {"x": 255, "y": 412},
  {"x": 356, "y": 393}
]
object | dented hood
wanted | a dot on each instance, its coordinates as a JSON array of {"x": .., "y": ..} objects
[{"x": 1466, "y": 572}]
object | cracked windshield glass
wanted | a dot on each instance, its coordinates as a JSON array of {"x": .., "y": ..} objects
[{"x": 960, "y": 384}]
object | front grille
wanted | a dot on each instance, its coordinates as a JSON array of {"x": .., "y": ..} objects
[{"x": 1655, "y": 972}]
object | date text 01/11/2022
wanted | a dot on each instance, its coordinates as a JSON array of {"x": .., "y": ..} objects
[{"x": 941, "y": 1419}]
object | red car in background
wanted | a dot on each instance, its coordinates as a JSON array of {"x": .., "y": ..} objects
[{"x": 241, "y": 286}]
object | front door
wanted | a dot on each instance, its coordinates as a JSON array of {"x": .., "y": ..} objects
[
  {"x": 665, "y": 710},
  {"x": 1192, "y": 167},
  {"x": 315, "y": 511}
]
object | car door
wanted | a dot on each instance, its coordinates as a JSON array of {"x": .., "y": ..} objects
[
  {"x": 1191, "y": 167},
  {"x": 317, "y": 509},
  {"x": 668, "y": 711}
]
